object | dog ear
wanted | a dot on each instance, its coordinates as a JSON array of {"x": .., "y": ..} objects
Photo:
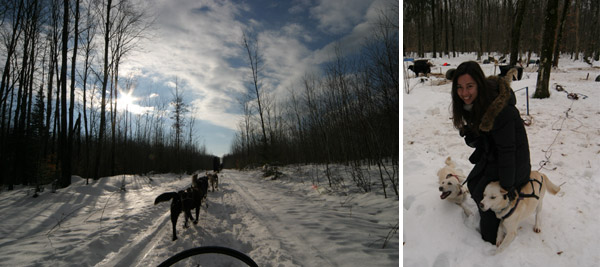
[{"x": 502, "y": 191}]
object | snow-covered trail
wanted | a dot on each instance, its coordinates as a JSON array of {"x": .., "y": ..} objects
[
  {"x": 315, "y": 230},
  {"x": 285, "y": 222},
  {"x": 278, "y": 225},
  {"x": 289, "y": 224}
]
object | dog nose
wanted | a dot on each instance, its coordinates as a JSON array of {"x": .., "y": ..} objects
[
  {"x": 441, "y": 189},
  {"x": 480, "y": 205}
]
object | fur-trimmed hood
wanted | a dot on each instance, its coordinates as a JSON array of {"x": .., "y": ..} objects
[{"x": 505, "y": 96}]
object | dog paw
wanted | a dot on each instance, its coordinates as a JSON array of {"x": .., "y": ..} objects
[
  {"x": 497, "y": 251},
  {"x": 468, "y": 212},
  {"x": 490, "y": 251},
  {"x": 537, "y": 229}
]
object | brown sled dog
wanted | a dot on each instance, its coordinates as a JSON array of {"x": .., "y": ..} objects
[{"x": 213, "y": 180}]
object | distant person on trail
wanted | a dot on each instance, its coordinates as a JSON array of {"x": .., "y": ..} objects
[
  {"x": 484, "y": 112},
  {"x": 216, "y": 164}
]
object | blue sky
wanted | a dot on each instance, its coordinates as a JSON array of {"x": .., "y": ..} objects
[{"x": 199, "y": 42}]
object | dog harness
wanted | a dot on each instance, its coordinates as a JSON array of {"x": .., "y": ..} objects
[
  {"x": 521, "y": 196},
  {"x": 532, "y": 189}
]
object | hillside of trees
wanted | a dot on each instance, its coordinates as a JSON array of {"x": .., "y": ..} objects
[
  {"x": 58, "y": 96},
  {"x": 346, "y": 114}
]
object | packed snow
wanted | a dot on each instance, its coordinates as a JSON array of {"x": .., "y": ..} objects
[
  {"x": 564, "y": 139},
  {"x": 294, "y": 220}
]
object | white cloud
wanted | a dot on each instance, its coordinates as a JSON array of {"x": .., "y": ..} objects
[
  {"x": 299, "y": 6},
  {"x": 356, "y": 37},
  {"x": 193, "y": 40},
  {"x": 336, "y": 17}
]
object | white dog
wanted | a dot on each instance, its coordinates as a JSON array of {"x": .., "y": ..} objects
[
  {"x": 450, "y": 180},
  {"x": 512, "y": 212}
]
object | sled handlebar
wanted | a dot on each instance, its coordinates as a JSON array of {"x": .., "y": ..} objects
[{"x": 208, "y": 250}]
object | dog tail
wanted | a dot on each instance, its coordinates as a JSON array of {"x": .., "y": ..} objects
[
  {"x": 449, "y": 162},
  {"x": 195, "y": 181},
  {"x": 165, "y": 197},
  {"x": 510, "y": 75},
  {"x": 552, "y": 188}
]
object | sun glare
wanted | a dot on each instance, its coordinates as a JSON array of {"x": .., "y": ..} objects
[{"x": 126, "y": 101}]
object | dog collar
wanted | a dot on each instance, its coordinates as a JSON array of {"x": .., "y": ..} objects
[{"x": 453, "y": 175}]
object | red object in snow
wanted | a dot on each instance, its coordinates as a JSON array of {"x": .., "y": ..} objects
[{"x": 446, "y": 64}]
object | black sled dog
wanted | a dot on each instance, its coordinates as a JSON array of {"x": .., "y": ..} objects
[
  {"x": 185, "y": 200},
  {"x": 200, "y": 189}
]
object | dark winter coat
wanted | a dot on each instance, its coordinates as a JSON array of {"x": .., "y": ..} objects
[{"x": 501, "y": 149}]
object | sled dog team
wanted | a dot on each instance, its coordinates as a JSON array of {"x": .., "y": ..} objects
[{"x": 189, "y": 198}]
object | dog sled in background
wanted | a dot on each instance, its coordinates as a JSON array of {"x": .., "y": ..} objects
[
  {"x": 271, "y": 170},
  {"x": 451, "y": 185},
  {"x": 185, "y": 200}
]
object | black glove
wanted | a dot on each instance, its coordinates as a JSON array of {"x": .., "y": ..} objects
[
  {"x": 471, "y": 138},
  {"x": 512, "y": 193}
]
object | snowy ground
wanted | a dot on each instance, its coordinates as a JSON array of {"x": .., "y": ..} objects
[
  {"x": 284, "y": 222},
  {"x": 565, "y": 132}
]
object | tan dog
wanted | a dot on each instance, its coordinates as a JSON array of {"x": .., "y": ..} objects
[
  {"x": 450, "y": 180},
  {"x": 213, "y": 180},
  {"x": 512, "y": 212}
]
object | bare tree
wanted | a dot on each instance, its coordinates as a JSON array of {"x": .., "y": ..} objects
[
  {"x": 561, "y": 26},
  {"x": 52, "y": 65},
  {"x": 180, "y": 109},
  {"x": 255, "y": 61},
  {"x": 577, "y": 14},
  {"x": 516, "y": 32},
  {"x": 65, "y": 153},
  {"x": 16, "y": 10},
  {"x": 433, "y": 22},
  {"x": 107, "y": 34},
  {"x": 88, "y": 48},
  {"x": 541, "y": 90}
]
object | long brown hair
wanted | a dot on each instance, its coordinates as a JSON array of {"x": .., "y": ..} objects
[{"x": 486, "y": 92}]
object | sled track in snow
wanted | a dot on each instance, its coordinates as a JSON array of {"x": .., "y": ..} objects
[
  {"x": 140, "y": 246},
  {"x": 273, "y": 224}
]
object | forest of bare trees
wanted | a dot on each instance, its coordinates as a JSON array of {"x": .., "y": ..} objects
[
  {"x": 58, "y": 96},
  {"x": 444, "y": 27},
  {"x": 346, "y": 114}
]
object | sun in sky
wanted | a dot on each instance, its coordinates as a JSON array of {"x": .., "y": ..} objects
[{"x": 127, "y": 102}]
